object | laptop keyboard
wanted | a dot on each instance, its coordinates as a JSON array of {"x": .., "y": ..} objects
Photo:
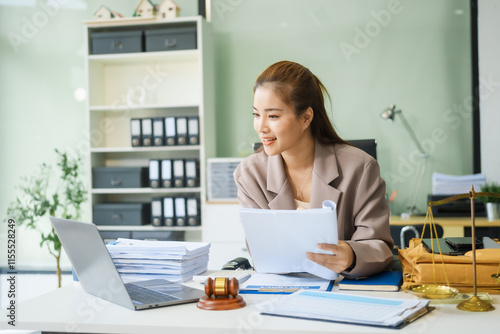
[{"x": 141, "y": 295}]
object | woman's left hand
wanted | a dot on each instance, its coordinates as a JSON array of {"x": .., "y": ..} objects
[{"x": 342, "y": 258}]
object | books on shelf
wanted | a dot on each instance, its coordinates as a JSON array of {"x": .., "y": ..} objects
[
  {"x": 384, "y": 281},
  {"x": 176, "y": 261}
]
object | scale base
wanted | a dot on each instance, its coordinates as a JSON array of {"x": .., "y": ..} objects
[{"x": 475, "y": 304}]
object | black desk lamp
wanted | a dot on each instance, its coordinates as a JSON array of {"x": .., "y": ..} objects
[{"x": 389, "y": 114}]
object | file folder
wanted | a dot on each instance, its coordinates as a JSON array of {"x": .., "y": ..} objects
[
  {"x": 154, "y": 173},
  {"x": 158, "y": 137},
  {"x": 178, "y": 168},
  {"x": 170, "y": 131},
  {"x": 135, "y": 132},
  {"x": 192, "y": 173},
  {"x": 156, "y": 212},
  {"x": 147, "y": 131},
  {"x": 166, "y": 173},
  {"x": 181, "y": 127},
  {"x": 168, "y": 211},
  {"x": 180, "y": 211},
  {"x": 193, "y": 211},
  {"x": 193, "y": 131}
]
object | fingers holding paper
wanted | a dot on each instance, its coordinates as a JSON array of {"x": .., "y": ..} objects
[{"x": 341, "y": 259}]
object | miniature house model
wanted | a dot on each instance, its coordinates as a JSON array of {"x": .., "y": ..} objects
[
  {"x": 145, "y": 9},
  {"x": 168, "y": 10},
  {"x": 104, "y": 13}
]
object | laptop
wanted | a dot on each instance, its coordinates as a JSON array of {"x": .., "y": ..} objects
[{"x": 99, "y": 277}]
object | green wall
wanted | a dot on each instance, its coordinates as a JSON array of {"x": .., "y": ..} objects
[
  {"x": 417, "y": 58},
  {"x": 369, "y": 54}
]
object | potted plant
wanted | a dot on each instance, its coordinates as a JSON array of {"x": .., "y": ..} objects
[
  {"x": 56, "y": 193},
  {"x": 492, "y": 203}
]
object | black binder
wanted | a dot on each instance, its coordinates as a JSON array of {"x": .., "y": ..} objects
[
  {"x": 170, "y": 131},
  {"x": 180, "y": 211},
  {"x": 193, "y": 211},
  {"x": 192, "y": 172},
  {"x": 147, "y": 131},
  {"x": 156, "y": 211},
  {"x": 168, "y": 211},
  {"x": 154, "y": 173},
  {"x": 166, "y": 173},
  {"x": 135, "y": 132},
  {"x": 193, "y": 131},
  {"x": 181, "y": 130},
  {"x": 178, "y": 172},
  {"x": 158, "y": 136}
]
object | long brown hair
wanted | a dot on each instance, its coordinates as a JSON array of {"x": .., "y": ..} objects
[{"x": 299, "y": 88}]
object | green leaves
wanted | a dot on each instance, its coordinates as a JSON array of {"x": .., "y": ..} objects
[
  {"x": 490, "y": 188},
  {"x": 57, "y": 193}
]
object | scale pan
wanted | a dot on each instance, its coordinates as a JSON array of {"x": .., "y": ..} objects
[{"x": 432, "y": 291}]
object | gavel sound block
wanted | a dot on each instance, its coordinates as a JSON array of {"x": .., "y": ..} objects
[{"x": 221, "y": 294}]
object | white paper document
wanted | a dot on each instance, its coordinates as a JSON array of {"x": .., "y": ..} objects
[
  {"x": 355, "y": 309},
  {"x": 278, "y": 240}
]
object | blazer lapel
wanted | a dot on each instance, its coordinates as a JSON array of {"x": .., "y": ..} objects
[
  {"x": 325, "y": 171},
  {"x": 278, "y": 184}
]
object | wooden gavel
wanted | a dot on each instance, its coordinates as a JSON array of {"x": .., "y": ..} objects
[
  {"x": 221, "y": 287},
  {"x": 221, "y": 293}
]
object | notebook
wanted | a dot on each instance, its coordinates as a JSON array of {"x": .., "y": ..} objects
[
  {"x": 384, "y": 281},
  {"x": 98, "y": 275}
]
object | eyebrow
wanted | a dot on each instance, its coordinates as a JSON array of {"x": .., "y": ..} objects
[{"x": 269, "y": 109}]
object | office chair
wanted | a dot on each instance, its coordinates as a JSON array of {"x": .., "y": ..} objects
[{"x": 403, "y": 234}]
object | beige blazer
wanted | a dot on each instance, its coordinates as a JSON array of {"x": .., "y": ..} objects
[{"x": 341, "y": 173}]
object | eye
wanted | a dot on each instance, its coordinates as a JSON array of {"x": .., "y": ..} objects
[
  {"x": 274, "y": 116},
  {"x": 255, "y": 115}
]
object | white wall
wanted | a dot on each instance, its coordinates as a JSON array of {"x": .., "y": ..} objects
[{"x": 489, "y": 74}]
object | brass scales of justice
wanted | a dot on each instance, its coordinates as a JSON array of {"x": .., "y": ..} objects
[{"x": 436, "y": 291}]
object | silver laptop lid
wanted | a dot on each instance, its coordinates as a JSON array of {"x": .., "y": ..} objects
[{"x": 91, "y": 261}]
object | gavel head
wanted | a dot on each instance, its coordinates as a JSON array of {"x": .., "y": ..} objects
[{"x": 221, "y": 287}]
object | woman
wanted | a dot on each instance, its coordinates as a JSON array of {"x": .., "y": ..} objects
[{"x": 304, "y": 162}]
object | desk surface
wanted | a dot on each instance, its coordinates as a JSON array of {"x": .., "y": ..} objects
[{"x": 70, "y": 309}]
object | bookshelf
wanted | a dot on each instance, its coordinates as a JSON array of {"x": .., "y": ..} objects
[{"x": 175, "y": 83}]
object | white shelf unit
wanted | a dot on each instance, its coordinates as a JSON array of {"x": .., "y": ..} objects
[{"x": 176, "y": 83}]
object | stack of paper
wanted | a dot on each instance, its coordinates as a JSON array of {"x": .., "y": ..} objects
[
  {"x": 443, "y": 184},
  {"x": 176, "y": 261}
]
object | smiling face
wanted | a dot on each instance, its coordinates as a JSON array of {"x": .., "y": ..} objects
[{"x": 276, "y": 124}]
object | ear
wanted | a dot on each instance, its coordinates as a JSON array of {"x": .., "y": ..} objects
[{"x": 307, "y": 116}]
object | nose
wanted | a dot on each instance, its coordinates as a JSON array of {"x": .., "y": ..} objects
[{"x": 260, "y": 125}]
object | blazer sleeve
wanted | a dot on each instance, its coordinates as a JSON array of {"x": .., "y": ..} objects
[{"x": 371, "y": 241}]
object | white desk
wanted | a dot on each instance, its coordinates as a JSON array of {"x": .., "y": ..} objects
[{"x": 70, "y": 309}]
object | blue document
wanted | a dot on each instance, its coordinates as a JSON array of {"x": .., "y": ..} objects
[
  {"x": 278, "y": 240},
  {"x": 385, "y": 281}
]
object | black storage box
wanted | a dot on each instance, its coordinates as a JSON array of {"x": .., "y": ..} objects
[
  {"x": 174, "y": 38},
  {"x": 117, "y": 42},
  {"x": 123, "y": 214},
  {"x": 120, "y": 177}
]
